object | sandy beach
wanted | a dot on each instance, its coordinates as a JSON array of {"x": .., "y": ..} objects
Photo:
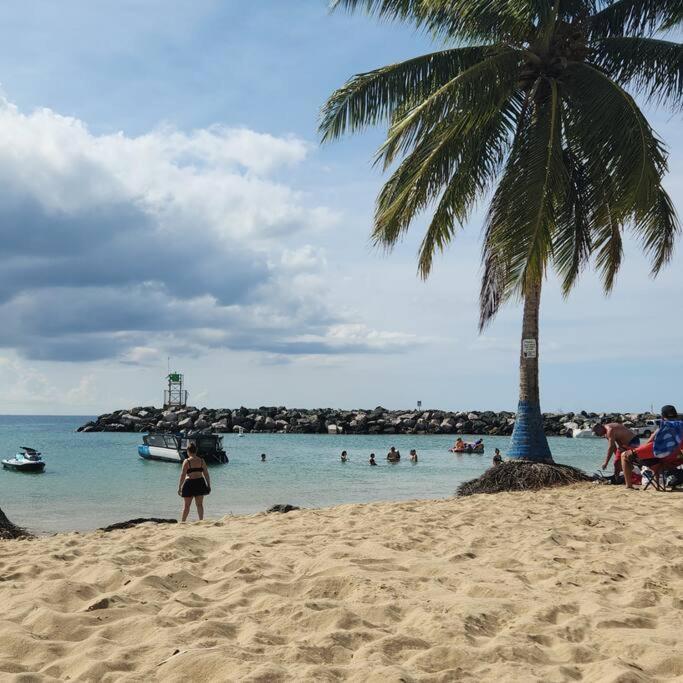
[{"x": 584, "y": 583}]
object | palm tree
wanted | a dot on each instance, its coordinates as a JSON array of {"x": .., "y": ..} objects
[{"x": 529, "y": 107}]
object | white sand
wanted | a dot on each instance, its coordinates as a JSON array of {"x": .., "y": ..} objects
[{"x": 575, "y": 584}]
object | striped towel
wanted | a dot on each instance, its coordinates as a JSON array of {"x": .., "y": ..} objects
[{"x": 668, "y": 438}]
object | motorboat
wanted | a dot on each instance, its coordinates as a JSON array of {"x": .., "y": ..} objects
[
  {"x": 29, "y": 460},
  {"x": 173, "y": 447}
]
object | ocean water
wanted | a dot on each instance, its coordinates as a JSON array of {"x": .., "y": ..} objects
[{"x": 92, "y": 480}]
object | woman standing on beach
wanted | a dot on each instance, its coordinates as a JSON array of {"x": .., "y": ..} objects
[{"x": 194, "y": 482}]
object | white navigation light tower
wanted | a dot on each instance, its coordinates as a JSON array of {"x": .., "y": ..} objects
[{"x": 175, "y": 395}]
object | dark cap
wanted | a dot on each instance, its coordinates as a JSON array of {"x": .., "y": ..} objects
[{"x": 669, "y": 412}]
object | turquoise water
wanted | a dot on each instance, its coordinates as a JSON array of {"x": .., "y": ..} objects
[{"x": 92, "y": 480}]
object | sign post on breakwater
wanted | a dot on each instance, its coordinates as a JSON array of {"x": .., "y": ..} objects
[{"x": 175, "y": 395}]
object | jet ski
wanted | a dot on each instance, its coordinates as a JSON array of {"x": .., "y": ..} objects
[{"x": 29, "y": 460}]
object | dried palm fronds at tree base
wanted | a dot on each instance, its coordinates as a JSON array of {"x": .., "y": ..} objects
[
  {"x": 9, "y": 530},
  {"x": 522, "y": 475}
]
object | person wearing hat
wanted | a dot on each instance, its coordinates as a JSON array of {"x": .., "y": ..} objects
[{"x": 663, "y": 448}]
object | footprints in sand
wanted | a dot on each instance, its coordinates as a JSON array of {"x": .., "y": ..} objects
[{"x": 547, "y": 590}]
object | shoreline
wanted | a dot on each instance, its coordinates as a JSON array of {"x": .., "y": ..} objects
[{"x": 552, "y": 585}]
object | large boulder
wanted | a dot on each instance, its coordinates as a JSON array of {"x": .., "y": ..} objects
[{"x": 221, "y": 425}]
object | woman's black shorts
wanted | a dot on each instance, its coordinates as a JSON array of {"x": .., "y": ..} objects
[{"x": 194, "y": 487}]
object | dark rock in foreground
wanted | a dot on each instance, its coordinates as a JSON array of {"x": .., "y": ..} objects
[
  {"x": 139, "y": 520},
  {"x": 283, "y": 508},
  {"x": 280, "y": 420}
]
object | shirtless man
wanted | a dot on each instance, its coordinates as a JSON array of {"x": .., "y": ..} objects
[{"x": 620, "y": 439}]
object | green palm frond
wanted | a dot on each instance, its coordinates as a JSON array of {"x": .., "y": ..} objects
[
  {"x": 476, "y": 92},
  {"x": 465, "y": 19},
  {"x": 637, "y": 17},
  {"x": 457, "y": 149},
  {"x": 624, "y": 162},
  {"x": 653, "y": 68},
  {"x": 605, "y": 122},
  {"x": 609, "y": 249},
  {"x": 481, "y": 159},
  {"x": 658, "y": 228},
  {"x": 373, "y": 97},
  {"x": 522, "y": 215},
  {"x": 572, "y": 240}
]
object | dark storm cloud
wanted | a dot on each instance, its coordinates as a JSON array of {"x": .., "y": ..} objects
[
  {"x": 117, "y": 245},
  {"x": 114, "y": 247}
]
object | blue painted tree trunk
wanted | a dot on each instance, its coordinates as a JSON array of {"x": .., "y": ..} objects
[{"x": 528, "y": 437}]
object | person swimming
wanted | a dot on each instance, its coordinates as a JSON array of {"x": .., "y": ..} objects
[
  {"x": 393, "y": 455},
  {"x": 263, "y": 457},
  {"x": 372, "y": 459},
  {"x": 344, "y": 456},
  {"x": 497, "y": 458},
  {"x": 413, "y": 455}
]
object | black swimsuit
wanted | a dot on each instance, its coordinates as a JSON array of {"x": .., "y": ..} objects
[{"x": 194, "y": 487}]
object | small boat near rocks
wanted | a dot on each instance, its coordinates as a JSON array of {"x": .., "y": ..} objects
[{"x": 29, "y": 460}]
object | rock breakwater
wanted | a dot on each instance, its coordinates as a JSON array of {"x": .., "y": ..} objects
[{"x": 281, "y": 420}]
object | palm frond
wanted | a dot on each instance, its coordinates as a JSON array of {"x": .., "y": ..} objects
[
  {"x": 476, "y": 92},
  {"x": 605, "y": 122},
  {"x": 625, "y": 163},
  {"x": 637, "y": 17},
  {"x": 463, "y": 19},
  {"x": 608, "y": 246},
  {"x": 659, "y": 227},
  {"x": 572, "y": 239},
  {"x": 522, "y": 215},
  {"x": 481, "y": 159},
  {"x": 459, "y": 152},
  {"x": 653, "y": 68},
  {"x": 373, "y": 97}
]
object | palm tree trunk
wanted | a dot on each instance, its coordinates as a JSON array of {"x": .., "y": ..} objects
[{"x": 528, "y": 437}]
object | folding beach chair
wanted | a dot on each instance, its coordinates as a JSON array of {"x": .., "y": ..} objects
[
  {"x": 658, "y": 475},
  {"x": 653, "y": 479}
]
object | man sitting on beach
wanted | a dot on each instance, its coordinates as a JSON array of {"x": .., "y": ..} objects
[
  {"x": 620, "y": 439},
  {"x": 663, "y": 448}
]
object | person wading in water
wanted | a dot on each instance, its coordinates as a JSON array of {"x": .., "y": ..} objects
[{"x": 194, "y": 483}]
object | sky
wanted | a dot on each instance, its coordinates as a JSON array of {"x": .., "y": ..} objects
[{"x": 163, "y": 194}]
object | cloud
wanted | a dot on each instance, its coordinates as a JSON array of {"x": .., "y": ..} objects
[
  {"x": 126, "y": 247},
  {"x": 23, "y": 385}
]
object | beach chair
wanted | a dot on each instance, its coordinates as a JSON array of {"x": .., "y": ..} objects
[{"x": 657, "y": 474}]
